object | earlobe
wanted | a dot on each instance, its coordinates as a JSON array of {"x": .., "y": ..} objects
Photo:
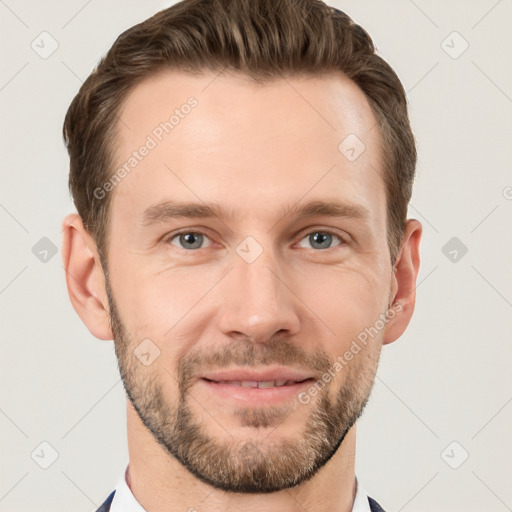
[
  {"x": 403, "y": 288},
  {"x": 84, "y": 277}
]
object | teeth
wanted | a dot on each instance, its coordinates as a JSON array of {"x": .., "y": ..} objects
[
  {"x": 266, "y": 384},
  {"x": 249, "y": 384},
  {"x": 257, "y": 384}
]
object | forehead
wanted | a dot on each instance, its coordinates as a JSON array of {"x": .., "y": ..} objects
[{"x": 251, "y": 146}]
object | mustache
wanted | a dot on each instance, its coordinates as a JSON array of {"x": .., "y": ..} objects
[{"x": 245, "y": 352}]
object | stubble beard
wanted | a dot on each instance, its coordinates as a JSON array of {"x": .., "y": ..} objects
[{"x": 244, "y": 465}]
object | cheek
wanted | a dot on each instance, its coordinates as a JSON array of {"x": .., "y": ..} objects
[
  {"x": 351, "y": 305},
  {"x": 168, "y": 307},
  {"x": 175, "y": 307},
  {"x": 346, "y": 300}
]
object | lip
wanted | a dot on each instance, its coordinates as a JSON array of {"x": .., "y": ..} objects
[
  {"x": 215, "y": 383},
  {"x": 243, "y": 374},
  {"x": 254, "y": 396}
]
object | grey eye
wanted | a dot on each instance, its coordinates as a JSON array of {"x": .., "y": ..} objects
[
  {"x": 189, "y": 241},
  {"x": 320, "y": 240}
]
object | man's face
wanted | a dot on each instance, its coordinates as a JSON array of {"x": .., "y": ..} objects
[{"x": 265, "y": 291}]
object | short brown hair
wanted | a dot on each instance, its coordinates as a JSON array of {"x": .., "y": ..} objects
[{"x": 262, "y": 39}]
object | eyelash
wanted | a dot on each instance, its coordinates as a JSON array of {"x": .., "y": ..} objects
[{"x": 303, "y": 235}]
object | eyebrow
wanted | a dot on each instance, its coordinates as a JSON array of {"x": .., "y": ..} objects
[{"x": 169, "y": 210}]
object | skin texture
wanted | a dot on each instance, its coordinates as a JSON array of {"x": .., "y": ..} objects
[{"x": 258, "y": 151}]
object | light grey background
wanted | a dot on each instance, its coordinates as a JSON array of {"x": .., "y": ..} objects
[{"x": 447, "y": 380}]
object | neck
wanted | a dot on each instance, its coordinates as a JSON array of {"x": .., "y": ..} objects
[{"x": 160, "y": 482}]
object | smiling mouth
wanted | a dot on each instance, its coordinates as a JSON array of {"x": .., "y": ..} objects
[
  {"x": 258, "y": 384},
  {"x": 260, "y": 391}
]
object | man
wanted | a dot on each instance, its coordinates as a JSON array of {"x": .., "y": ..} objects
[{"x": 241, "y": 172}]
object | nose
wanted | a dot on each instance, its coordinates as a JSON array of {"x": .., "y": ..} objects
[{"x": 258, "y": 300}]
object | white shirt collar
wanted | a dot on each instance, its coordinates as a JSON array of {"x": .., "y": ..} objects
[
  {"x": 361, "y": 503},
  {"x": 124, "y": 500}
]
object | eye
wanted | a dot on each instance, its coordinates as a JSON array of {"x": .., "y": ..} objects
[
  {"x": 320, "y": 240},
  {"x": 190, "y": 240}
]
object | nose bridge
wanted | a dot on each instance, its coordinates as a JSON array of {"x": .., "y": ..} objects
[{"x": 256, "y": 301}]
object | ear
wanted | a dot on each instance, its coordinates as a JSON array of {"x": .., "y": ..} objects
[
  {"x": 403, "y": 282},
  {"x": 84, "y": 277}
]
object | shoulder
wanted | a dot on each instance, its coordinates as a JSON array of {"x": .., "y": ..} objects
[{"x": 106, "y": 505}]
